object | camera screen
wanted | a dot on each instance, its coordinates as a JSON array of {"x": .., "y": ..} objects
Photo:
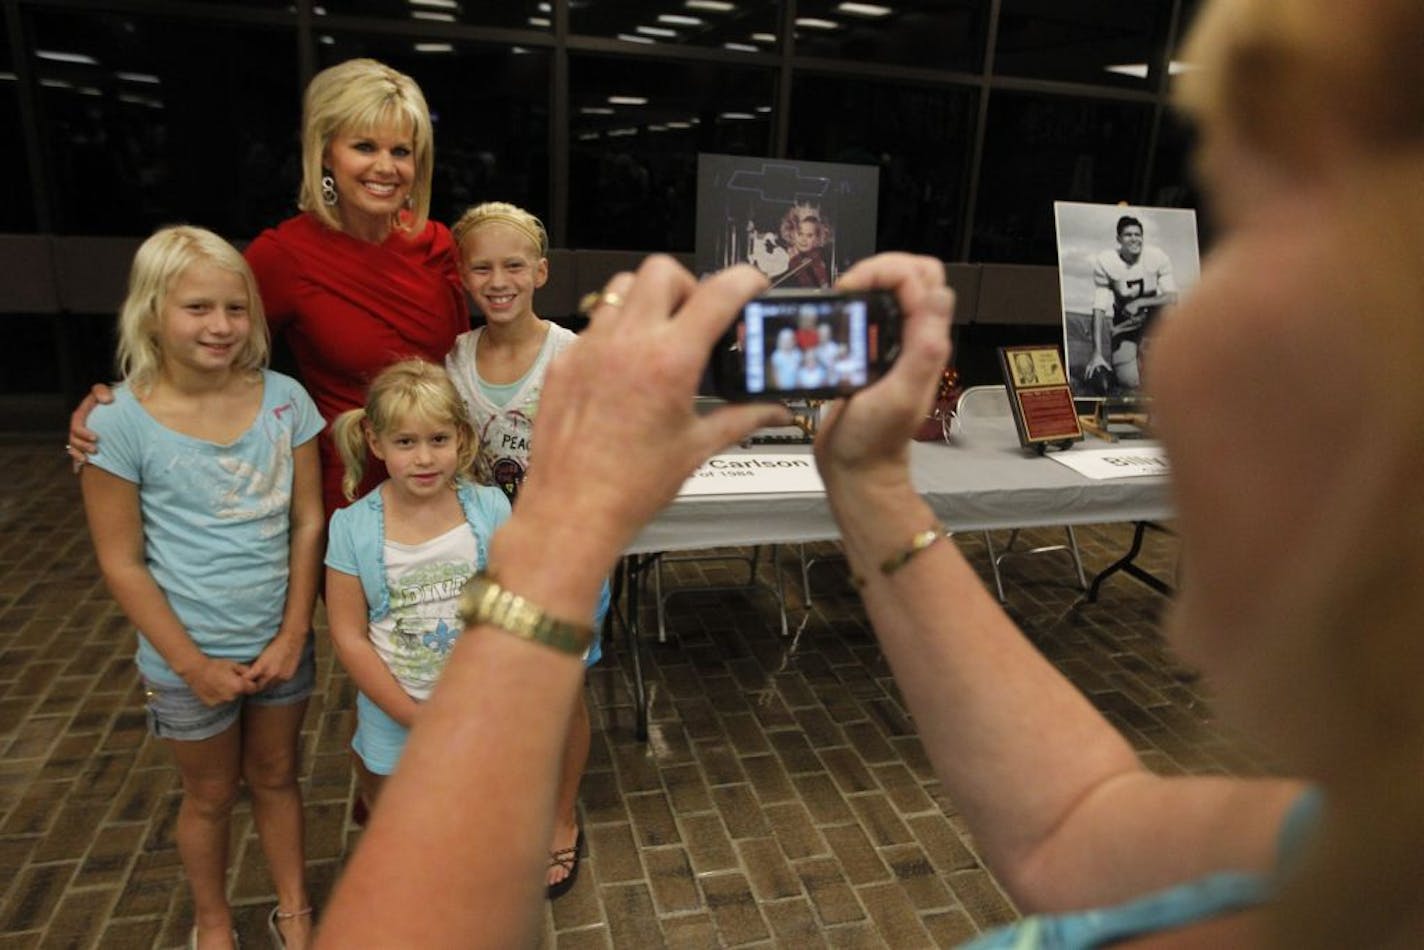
[{"x": 807, "y": 344}]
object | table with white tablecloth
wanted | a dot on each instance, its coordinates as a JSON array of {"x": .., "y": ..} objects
[{"x": 984, "y": 480}]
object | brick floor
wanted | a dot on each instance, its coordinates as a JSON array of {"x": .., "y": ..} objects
[{"x": 783, "y": 798}]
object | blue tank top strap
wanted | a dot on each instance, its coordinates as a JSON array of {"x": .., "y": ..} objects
[{"x": 1206, "y": 897}]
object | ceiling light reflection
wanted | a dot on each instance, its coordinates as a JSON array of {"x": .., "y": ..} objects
[
  {"x": 57, "y": 56},
  {"x": 864, "y": 9}
]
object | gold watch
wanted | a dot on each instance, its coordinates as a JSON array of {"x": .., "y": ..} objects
[{"x": 484, "y": 601}]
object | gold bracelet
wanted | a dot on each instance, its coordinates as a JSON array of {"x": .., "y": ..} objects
[
  {"x": 484, "y": 601},
  {"x": 918, "y": 542}
]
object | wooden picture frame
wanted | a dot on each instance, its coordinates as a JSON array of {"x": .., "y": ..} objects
[{"x": 1039, "y": 396}]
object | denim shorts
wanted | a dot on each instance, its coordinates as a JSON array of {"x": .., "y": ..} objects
[
  {"x": 379, "y": 739},
  {"x": 176, "y": 712}
]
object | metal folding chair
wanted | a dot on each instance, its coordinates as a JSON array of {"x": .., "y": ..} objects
[{"x": 990, "y": 405}]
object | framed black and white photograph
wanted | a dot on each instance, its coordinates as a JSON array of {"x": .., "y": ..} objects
[
  {"x": 800, "y": 223},
  {"x": 1120, "y": 268}
]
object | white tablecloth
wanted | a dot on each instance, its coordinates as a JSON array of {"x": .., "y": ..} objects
[{"x": 983, "y": 481}]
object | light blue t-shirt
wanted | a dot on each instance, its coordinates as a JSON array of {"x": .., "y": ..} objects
[{"x": 216, "y": 518}]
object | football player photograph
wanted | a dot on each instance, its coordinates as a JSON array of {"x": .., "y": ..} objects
[
  {"x": 1132, "y": 282},
  {"x": 1114, "y": 296}
]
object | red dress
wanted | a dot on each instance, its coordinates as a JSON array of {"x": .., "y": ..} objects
[{"x": 350, "y": 308}]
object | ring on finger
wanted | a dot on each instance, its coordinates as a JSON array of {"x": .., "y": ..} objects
[{"x": 597, "y": 298}]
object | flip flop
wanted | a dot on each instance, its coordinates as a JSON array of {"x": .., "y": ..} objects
[{"x": 567, "y": 858}]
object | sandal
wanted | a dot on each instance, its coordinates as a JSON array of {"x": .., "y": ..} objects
[
  {"x": 193, "y": 938},
  {"x": 568, "y": 859},
  {"x": 278, "y": 914}
]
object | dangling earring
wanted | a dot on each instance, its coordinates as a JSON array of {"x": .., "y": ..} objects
[{"x": 328, "y": 189}]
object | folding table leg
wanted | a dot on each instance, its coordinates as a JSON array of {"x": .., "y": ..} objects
[
  {"x": 805, "y": 576},
  {"x": 780, "y": 590},
  {"x": 635, "y": 643},
  {"x": 1077, "y": 558},
  {"x": 994, "y": 564},
  {"x": 1128, "y": 565}
]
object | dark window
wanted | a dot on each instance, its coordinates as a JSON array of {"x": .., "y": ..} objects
[
  {"x": 739, "y": 27},
  {"x": 265, "y": 6},
  {"x": 918, "y": 137},
  {"x": 1041, "y": 149},
  {"x": 1110, "y": 42},
  {"x": 490, "y": 108},
  {"x": 1174, "y": 183},
  {"x": 17, "y": 211},
  {"x": 149, "y": 122},
  {"x": 938, "y": 34},
  {"x": 637, "y": 129},
  {"x": 523, "y": 14}
]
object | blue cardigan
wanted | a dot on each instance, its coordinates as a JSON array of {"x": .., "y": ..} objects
[{"x": 359, "y": 531}]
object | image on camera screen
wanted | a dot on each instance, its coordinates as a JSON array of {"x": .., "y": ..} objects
[{"x": 807, "y": 344}]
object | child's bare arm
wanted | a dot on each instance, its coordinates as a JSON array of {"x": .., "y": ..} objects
[
  {"x": 346, "y": 614},
  {"x": 308, "y": 530},
  {"x": 116, "y": 526}
]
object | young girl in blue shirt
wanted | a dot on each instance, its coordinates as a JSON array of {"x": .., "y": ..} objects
[
  {"x": 398, "y": 556},
  {"x": 204, "y": 505}
]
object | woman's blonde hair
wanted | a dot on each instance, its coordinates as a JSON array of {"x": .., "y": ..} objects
[
  {"x": 1267, "y": 72},
  {"x": 412, "y": 387},
  {"x": 157, "y": 264},
  {"x": 795, "y": 215},
  {"x": 502, "y": 212},
  {"x": 362, "y": 95}
]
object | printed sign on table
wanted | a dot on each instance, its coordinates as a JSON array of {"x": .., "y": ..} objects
[
  {"x": 1116, "y": 462},
  {"x": 752, "y": 474}
]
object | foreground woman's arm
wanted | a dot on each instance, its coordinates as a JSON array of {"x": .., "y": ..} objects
[{"x": 1056, "y": 799}]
